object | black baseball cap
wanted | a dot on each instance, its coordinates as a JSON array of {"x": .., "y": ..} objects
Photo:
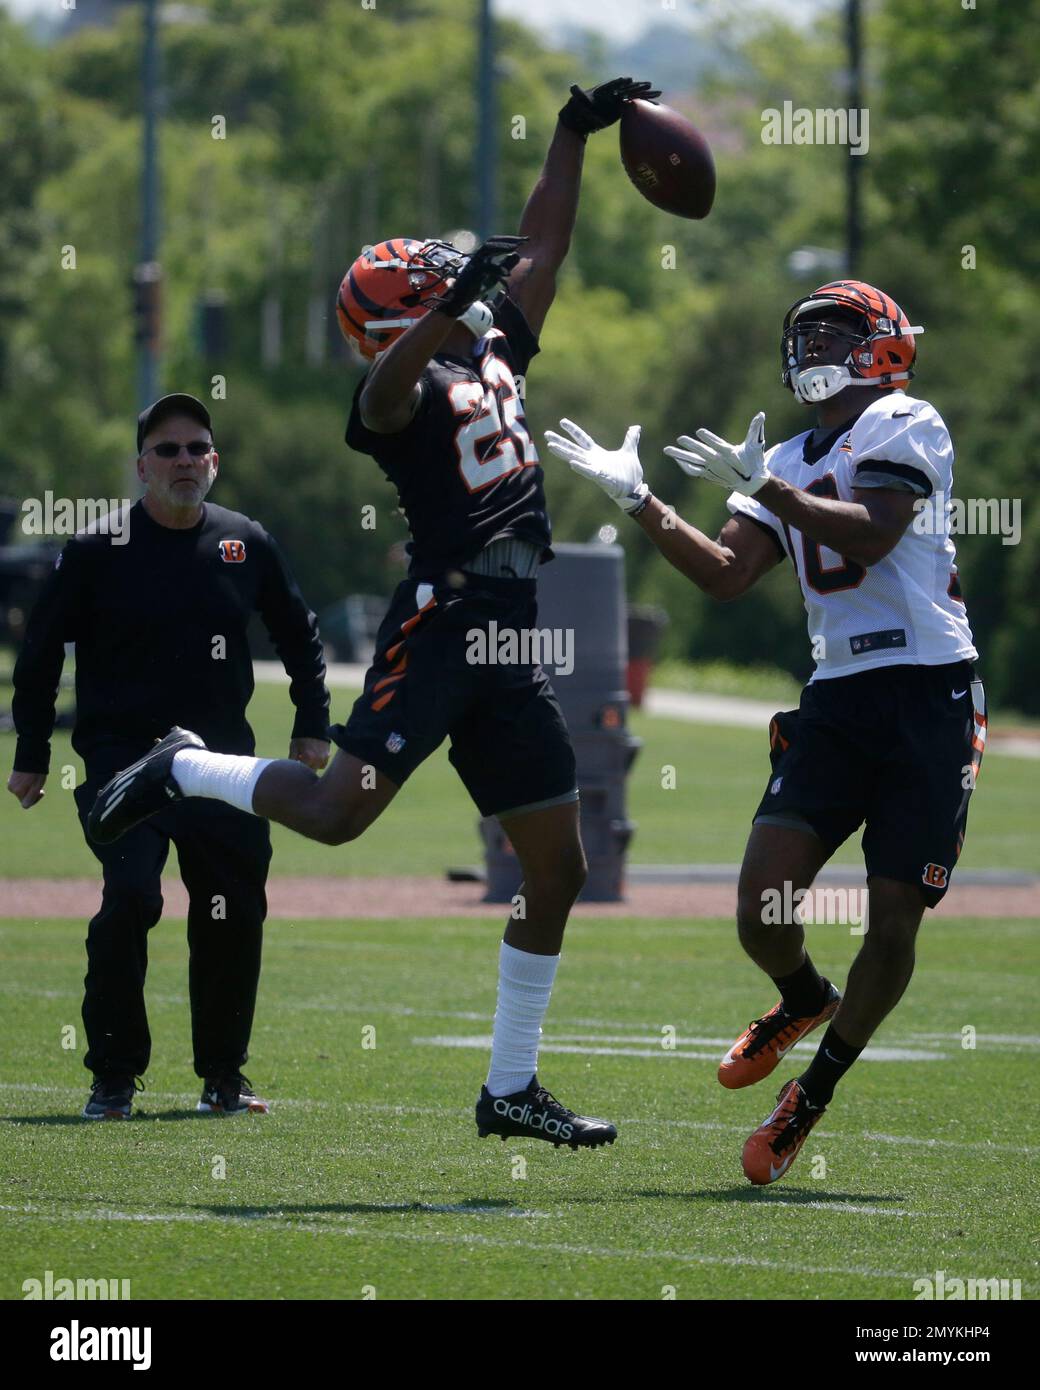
[{"x": 177, "y": 404}]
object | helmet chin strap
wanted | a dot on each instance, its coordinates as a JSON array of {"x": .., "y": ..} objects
[{"x": 814, "y": 384}]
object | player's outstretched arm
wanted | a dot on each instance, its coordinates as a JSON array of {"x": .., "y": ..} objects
[
  {"x": 724, "y": 569},
  {"x": 864, "y": 530},
  {"x": 549, "y": 217},
  {"x": 391, "y": 393},
  {"x": 548, "y": 222}
]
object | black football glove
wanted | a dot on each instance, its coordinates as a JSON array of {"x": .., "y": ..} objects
[
  {"x": 486, "y": 269},
  {"x": 595, "y": 109}
]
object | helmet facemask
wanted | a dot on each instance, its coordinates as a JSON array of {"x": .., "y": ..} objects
[
  {"x": 430, "y": 268},
  {"x": 820, "y": 351},
  {"x": 439, "y": 261}
]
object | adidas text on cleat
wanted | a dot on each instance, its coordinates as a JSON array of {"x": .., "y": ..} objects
[
  {"x": 535, "y": 1114},
  {"x": 139, "y": 790},
  {"x": 111, "y": 1098},
  {"x": 231, "y": 1095},
  {"x": 773, "y": 1147},
  {"x": 768, "y": 1040}
]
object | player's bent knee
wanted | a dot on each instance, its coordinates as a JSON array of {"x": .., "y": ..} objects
[
  {"x": 574, "y": 872},
  {"x": 751, "y": 915},
  {"x": 338, "y": 825},
  {"x": 893, "y": 938},
  {"x": 577, "y": 879},
  {"x": 558, "y": 883}
]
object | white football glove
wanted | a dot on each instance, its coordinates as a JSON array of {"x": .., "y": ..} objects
[
  {"x": 619, "y": 472},
  {"x": 737, "y": 467}
]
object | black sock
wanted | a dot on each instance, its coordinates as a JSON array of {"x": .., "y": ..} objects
[
  {"x": 833, "y": 1059},
  {"x": 802, "y": 992}
]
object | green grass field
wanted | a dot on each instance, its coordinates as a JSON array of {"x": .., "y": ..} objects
[
  {"x": 368, "y": 1173},
  {"x": 720, "y": 776}
]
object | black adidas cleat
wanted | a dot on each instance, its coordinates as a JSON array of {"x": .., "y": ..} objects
[
  {"x": 535, "y": 1114},
  {"x": 111, "y": 1098},
  {"x": 140, "y": 789},
  {"x": 231, "y": 1095}
]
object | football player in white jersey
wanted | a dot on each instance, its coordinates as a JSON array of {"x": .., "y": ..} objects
[{"x": 890, "y": 730}]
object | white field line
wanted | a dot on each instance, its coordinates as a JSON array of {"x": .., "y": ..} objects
[
  {"x": 589, "y": 1048},
  {"x": 457, "y": 1113},
  {"x": 330, "y": 1225},
  {"x": 1015, "y": 1040},
  {"x": 626, "y": 1032},
  {"x": 257, "y": 1214},
  {"x": 851, "y": 1207},
  {"x": 976, "y": 1146},
  {"x": 187, "y": 1100},
  {"x": 458, "y": 1209}
]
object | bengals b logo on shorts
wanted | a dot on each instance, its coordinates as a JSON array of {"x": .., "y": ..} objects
[
  {"x": 935, "y": 875},
  {"x": 232, "y": 552}
]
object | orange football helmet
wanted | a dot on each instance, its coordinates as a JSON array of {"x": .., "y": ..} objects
[
  {"x": 880, "y": 339},
  {"x": 389, "y": 286}
]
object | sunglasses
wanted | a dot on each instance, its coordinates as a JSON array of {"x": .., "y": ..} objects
[{"x": 198, "y": 448}]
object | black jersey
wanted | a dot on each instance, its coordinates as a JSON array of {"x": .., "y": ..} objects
[
  {"x": 160, "y": 627},
  {"x": 465, "y": 466}
]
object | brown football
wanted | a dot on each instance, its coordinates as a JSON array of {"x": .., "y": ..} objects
[{"x": 668, "y": 159}]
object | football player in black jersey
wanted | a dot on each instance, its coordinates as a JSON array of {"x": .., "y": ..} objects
[{"x": 441, "y": 413}]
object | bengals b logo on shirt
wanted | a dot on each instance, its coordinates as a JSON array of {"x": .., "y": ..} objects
[
  {"x": 232, "y": 552},
  {"x": 935, "y": 875}
]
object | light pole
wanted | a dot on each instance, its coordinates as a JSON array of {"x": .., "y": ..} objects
[
  {"x": 147, "y": 272},
  {"x": 487, "y": 192},
  {"x": 853, "y": 161}
]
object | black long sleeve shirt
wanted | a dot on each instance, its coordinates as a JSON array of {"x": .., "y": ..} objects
[{"x": 160, "y": 626}]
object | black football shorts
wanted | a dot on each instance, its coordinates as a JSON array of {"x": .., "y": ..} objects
[
  {"x": 437, "y": 674},
  {"x": 895, "y": 749}
]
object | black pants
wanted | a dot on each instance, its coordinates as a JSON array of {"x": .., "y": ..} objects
[{"x": 223, "y": 856}]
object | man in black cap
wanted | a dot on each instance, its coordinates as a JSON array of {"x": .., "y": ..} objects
[{"x": 158, "y": 601}]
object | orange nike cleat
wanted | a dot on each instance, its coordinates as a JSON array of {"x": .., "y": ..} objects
[
  {"x": 773, "y": 1147},
  {"x": 768, "y": 1040}
]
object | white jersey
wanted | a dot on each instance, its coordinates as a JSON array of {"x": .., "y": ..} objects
[{"x": 906, "y": 609}]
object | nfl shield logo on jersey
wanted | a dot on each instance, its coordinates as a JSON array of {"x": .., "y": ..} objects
[
  {"x": 394, "y": 743},
  {"x": 775, "y": 787}
]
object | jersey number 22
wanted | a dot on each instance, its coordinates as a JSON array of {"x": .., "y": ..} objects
[{"x": 492, "y": 410}]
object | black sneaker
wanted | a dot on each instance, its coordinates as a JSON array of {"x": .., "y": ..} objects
[
  {"x": 230, "y": 1095},
  {"x": 140, "y": 789},
  {"x": 535, "y": 1114},
  {"x": 112, "y": 1097}
]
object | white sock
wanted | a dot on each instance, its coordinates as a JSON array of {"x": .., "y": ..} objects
[
  {"x": 525, "y": 983},
  {"x": 220, "y": 776}
]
